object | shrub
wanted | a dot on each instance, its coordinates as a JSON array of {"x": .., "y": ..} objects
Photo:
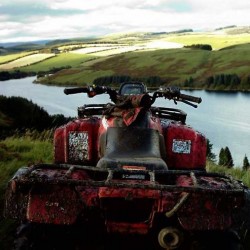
[
  {"x": 246, "y": 164},
  {"x": 225, "y": 158},
  {"x": 199, "y": 46}
]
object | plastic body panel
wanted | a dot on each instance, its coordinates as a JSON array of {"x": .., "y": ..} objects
[
  {"x": 76, "y": 142},
  {"x": 185, "y": 147}
]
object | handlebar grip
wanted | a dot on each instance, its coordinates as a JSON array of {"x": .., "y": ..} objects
[
  {"x": 70, "y": 91},
  {"x": 191, "y": 98}
]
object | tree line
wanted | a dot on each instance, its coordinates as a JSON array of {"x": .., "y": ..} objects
[
  {"x": 17, "y": 113},
  {"x": 199, "y": 46},
  {"x": 219, "y": 82},
  {"x": 17, "y": 74},
  {"x": 223, "y": 80},
  {"x": 225, "y": 157}
]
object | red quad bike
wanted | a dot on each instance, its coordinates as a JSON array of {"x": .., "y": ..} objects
[{"x": 130, "y": 171}]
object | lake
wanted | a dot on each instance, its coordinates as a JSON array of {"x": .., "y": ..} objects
[{"x": 223, "y": 117}]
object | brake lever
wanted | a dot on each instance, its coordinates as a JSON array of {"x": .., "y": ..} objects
[{"x": 188, "y": 103}]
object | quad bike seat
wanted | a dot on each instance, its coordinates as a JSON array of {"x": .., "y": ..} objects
[{"x": 132, "y": 146}]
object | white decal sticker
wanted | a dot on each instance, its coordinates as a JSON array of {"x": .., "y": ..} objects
[
  {"x": 78, "y": 146},
  {"x": 181, "y": 146}
]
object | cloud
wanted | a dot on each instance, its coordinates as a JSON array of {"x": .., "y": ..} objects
[
  {"x": 50, "y": 19},
  {"x": 100, "y": 4}
]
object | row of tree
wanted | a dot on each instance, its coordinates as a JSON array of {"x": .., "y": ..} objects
[
  {"x": 225, "y": 157},
  {"x": 17, "y": 74},
  {"x": 223, "y": 79},
  {"x": 219, "y": 82},
  {"x": 199, "y": 46}
]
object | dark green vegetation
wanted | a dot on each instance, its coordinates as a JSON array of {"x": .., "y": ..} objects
[
  {"x": 199, "y": 46},
  {"x": 16, "y": 152},
  {"x": 29, "y": 141},
  {"x": 17, "y": 74},
  {"x": 225, "y": 158},
  {"x": 246, "y": 164},
  {"x": 17, "y": 115}
]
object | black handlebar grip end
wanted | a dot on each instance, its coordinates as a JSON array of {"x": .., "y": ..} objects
[
  {"x": 77, "y": 90},
  {"x": 66, "y": 92}
]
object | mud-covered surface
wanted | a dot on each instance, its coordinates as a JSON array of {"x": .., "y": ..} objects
[
  {"x": 242, "y": 218},
  {"x": 68, "y": 194}
]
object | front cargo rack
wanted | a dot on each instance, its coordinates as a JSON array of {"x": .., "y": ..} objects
[{"x": 164, "y": 180}]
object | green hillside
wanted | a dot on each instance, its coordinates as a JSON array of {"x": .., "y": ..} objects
[
  {"x": 172, "y": 65},
  {"x": 218, "y": 40},
  {"x": 148, "y": 55},
  {"x": 61, "y": 60}
]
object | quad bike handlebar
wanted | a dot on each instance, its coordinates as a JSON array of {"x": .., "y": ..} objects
[
  {"x": 171, "y": 93},
  {"x": 90, "y": 90},
  {"x": 70, "y": 91},
  {"x": 174, "y": 93}
]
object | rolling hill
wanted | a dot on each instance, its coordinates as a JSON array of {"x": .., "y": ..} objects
[{"x": 144, "y": 56}]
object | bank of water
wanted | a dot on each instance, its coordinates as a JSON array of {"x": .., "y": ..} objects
[{"x": 223, "y": 117}]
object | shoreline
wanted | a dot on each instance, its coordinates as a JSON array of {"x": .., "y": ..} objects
[{"x": 36, "y": 81}]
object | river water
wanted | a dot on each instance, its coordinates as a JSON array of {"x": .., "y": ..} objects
[{"x": 223, "y": 117}]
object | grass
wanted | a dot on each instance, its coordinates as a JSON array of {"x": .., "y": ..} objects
[
  {"x": 25, "y": 60},
  {"x": 15, "y": 153},
  {"x": 60, "y": 60},
  {"x": 235, "y": 172},
  {"x": 216, "y": 40},
  {"x": 174, "y": 65},
  {"x": 12, "y": 57},
  {"x": 77, "y": 77},
  {"x": 23, "y": 151}
]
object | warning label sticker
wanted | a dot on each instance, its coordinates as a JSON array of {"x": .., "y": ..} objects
[{"x": 181, "y": 146}]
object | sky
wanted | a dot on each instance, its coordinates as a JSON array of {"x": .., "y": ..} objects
[{"x": 29, "y": 20}]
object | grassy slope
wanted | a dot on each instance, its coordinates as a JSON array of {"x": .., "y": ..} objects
[
  {"x": 216, "y": 40},
  {"x": 236, "y": 172},
  {"x": 15, "y": 153},
  {"x": 12, "y": 57},
  {"x": 26, "y": 60},
  {"x": 174, "y": 64},
  {"x": 60, "y": 60}
]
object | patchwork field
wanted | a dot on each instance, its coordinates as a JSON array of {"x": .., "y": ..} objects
[
  {"x": 175, "y": 65},
  {"x": 7, "y": 58},
  {"x": 25, "y": 60}
]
